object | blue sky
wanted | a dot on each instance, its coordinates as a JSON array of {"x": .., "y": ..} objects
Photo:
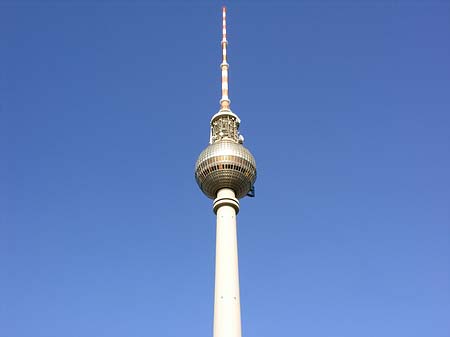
[{"x": 105, "y": 107}]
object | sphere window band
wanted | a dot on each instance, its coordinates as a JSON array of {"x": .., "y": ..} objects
[{"x": 207, "y": 168}]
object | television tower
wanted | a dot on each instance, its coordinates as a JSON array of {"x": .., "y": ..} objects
[{"x": 226, "y": 172}]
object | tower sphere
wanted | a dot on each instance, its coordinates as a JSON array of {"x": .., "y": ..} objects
[{"x": 225, "y": 164}]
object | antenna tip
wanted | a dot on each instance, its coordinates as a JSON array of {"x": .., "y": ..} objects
[{"x": 224, "y": 9}]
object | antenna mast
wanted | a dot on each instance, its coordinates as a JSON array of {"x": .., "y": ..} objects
[{"x": 225, "y": 101}]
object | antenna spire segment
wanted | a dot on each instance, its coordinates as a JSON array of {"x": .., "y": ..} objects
[{"x": 225, "y": 101}]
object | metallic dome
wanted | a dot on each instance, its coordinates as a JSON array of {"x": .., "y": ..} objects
[{"x": 225, "y": 164}]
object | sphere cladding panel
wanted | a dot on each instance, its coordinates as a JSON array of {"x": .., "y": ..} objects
[{"x": 225, "y": 164}]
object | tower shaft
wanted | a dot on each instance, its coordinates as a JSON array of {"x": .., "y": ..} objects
[{"x": 227, "y": 304}]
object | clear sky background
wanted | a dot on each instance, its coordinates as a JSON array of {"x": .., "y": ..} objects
[{"x": 105, "y": 107}]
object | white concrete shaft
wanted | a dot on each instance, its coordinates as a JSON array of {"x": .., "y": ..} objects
[{"x": 227, "y": 304}]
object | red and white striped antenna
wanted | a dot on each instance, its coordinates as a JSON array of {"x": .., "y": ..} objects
[{"x": 225, "y": 101}]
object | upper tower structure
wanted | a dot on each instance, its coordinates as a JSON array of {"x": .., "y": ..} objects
[{"x": 225, "y": 163}]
